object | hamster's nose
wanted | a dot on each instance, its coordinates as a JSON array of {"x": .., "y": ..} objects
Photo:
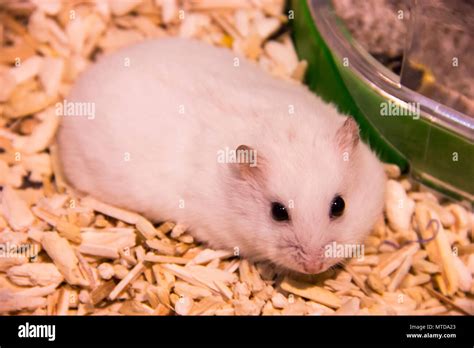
[{"x": 312, "y": 267}]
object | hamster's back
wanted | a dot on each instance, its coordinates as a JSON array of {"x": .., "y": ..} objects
[
  {"x": 162, "y": 109},
  {"x": 154, "y": 103}
]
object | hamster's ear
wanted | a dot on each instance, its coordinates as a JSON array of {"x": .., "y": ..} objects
[
  {"x": 347, "y": 136},
  {"x": 250, "y": 165}
]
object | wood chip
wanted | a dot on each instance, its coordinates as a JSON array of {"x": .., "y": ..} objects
[
  {"x": 439, "y": 250},
  {"x": 106, "y": 271},
  {"x": 249, "y": 275},
  {"x": 107, "y": 242},
  {"x": 50, "y": 7},
  {"x": 456, "y": 304},
  {"x": 279, "y": 301},
  {"x": 117, "y": 213},
  {"x": 394, "y": 261},
  {"x": 15, "y": 210},
  {"x": 356, "y": 278},
  {"x": 401, "y": 272},
  {"x": 311, "y": 292},
  {"x": 63, "y": 257},
  {"x": 398, "y": 206},
  {"x": 102, "y": 292},
  {"x": 465, "y": 305},
  {"x": 12, "y": 302},
  {"x": 246, "y": 306},
  {"x": 223, "y": 289},
  {"x": 184, "y": 306},
  {"x": 207, "y": 304},
  {"x": 35, "y": 274},
  {"x": 43, "y": 134},
  {"x": 411, "y": 281},
  {"x": 392, "y": 171},
  {"x": 426, "y": 267},
  {"x": 463, "y": 273},
  {"x": 64, "y": 228},
  {"x": 51, "y": 74},
  {"x": 375, "y": 283},
  {"x": 299, "y": 72},
  {"x": 208, "y": 255},
  {"x": 8, "y": 83},
  {"x": 206, "y": 5},
  {"x": 100, "y": 251},
  {"x": 145, "y": 227},
  {"x": 27, "y": 69},
  {"x": 62, "y": 307},
  {"x": 133, "y": 307},
  {"x": 466, "y": 249},
  {"x": 29, "y": 299},
  {"x": 349, "y": 307},
  {"x": 122, "y": 7},
  {"x": 161, "y": 247},
  {"x": 194, "y": 292},
  {"x": 166, "y": 259},
  {"x": 283, "y": 56},
  {"x": 169, "y": 10},
  {"x": 267, "y": 26},
  {"x": 132, "y": 275}
]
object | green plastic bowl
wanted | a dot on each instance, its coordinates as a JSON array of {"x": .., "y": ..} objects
[{"x": 436, "y": 147}]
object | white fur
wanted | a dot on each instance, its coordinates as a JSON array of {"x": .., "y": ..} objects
[{"x": 173, "y": 156}]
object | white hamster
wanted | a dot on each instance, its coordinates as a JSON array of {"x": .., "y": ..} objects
[{"x": 169, "y": 115}]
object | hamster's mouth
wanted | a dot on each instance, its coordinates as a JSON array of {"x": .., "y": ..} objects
[
  {"x": 298, "y": 271},
  {"x": 298, "y": 259},
  {"x": 316, "y": 267}
]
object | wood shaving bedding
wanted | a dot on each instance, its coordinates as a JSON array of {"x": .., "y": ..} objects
[{"x": 63, "y": 255}]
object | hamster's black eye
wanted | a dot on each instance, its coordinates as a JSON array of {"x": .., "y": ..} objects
[
  {"x": 337, "y": 207},
  {"x": 279, "y": 212}
]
